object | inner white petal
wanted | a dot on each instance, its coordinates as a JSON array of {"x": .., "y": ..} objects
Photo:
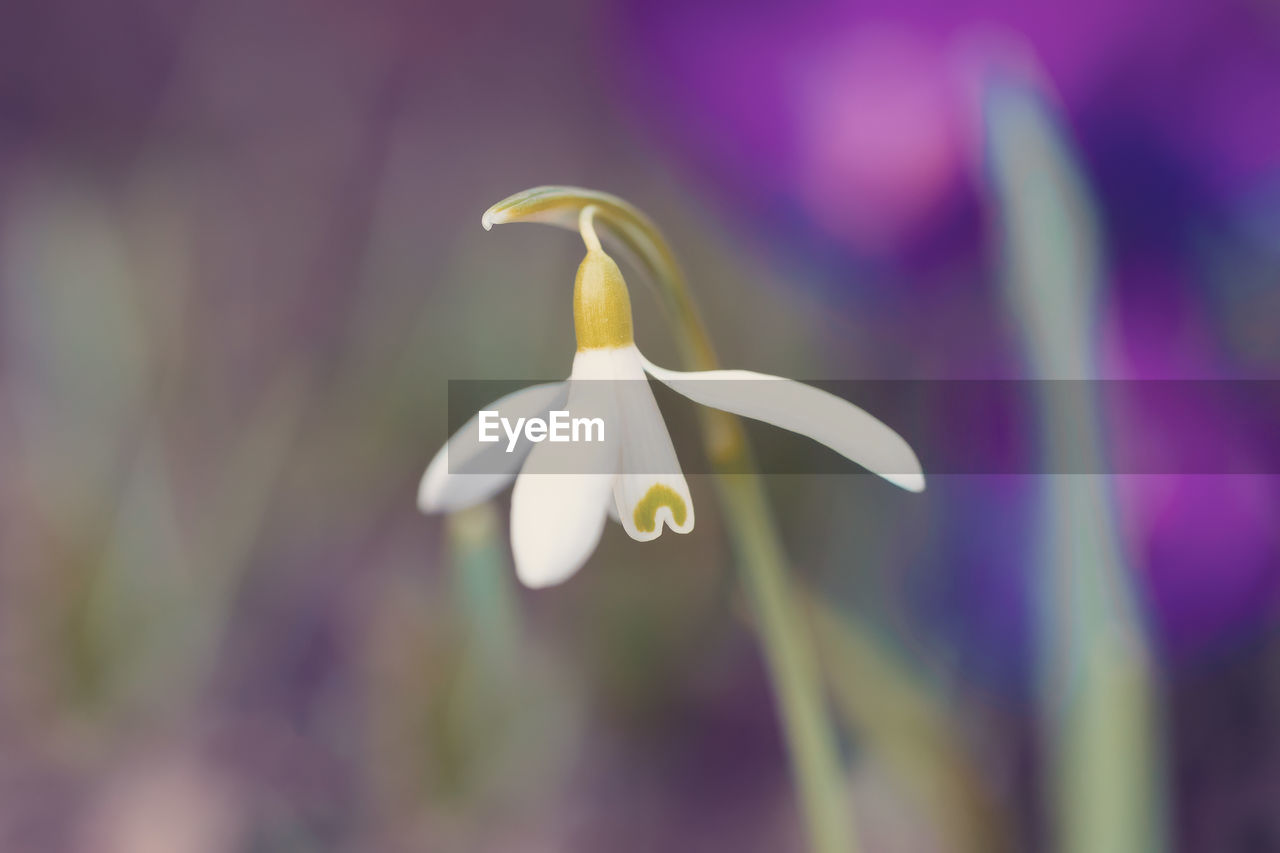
[{"x": 651, "y": 490}]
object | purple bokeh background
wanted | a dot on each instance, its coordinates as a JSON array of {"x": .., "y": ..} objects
[{"x": 240, "y": 257}]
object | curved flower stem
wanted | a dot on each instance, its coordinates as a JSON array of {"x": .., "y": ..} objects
[{"x": 788, "y": 643}]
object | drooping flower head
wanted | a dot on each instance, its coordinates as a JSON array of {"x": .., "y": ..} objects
[{"x": 564, "y": 491}]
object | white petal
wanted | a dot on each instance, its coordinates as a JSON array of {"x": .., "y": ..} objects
[
  {"x": 480, "y": 469},
  {"x": 826, "y": 418},
  {"x": 650, "y": 489},
  {"x": 557, "y": 518}
]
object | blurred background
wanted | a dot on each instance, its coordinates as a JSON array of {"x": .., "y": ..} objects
[{"x": 241, "y": 256}]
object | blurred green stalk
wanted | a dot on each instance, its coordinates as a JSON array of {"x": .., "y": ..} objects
[
  {"x": 905, "y": 725},
  {"x": 483, "y": 587},
  {"x": 1098, "y": 694},
  {"x": 788, "y": 642},
  {"x": 789, "y": 651}
]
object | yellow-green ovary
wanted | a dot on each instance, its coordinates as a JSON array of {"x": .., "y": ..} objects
[
  {"x": 601, "y": 304},
  {"x": 646, "y": 514}
]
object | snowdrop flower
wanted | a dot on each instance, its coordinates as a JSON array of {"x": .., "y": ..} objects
[{"x": 557, "y": 518}]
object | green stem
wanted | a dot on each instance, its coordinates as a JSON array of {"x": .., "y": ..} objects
[
  {"x": 793, "y": 667},
  {"x": 788, "y": 643}
]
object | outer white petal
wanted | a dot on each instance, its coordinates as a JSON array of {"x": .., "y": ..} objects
[
  {"x": 824, "y": 417},
  {"x": 446, "y": 487},
  {"x": 650, "y": 490},
  {"x": 557, "y": 518}
]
